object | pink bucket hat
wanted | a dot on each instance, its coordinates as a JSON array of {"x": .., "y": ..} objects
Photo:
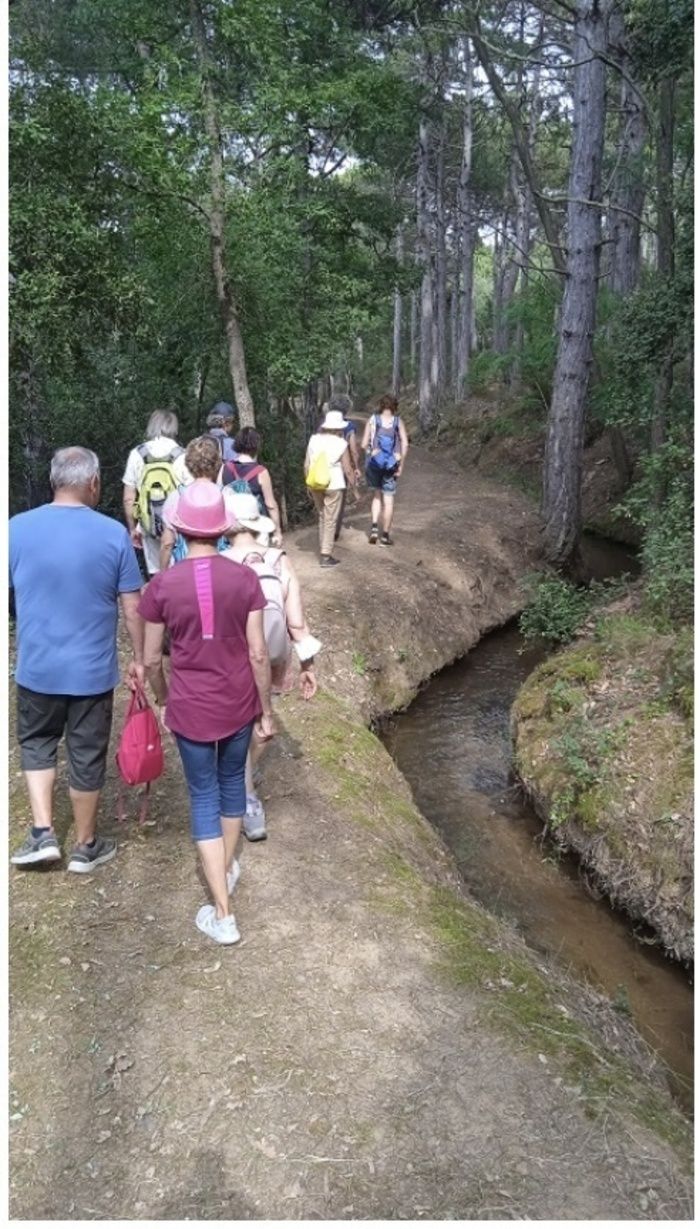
[{"x": 201, "y": 511}]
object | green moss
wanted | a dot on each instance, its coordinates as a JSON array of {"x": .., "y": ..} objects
[
  {"x": 589, "y": 808},
  {"x": 581, "y": 664}
]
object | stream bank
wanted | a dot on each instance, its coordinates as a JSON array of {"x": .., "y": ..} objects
[
  {"x": 378, "y": 1045},
  {"x": 461, "y": 721},
  {"x": 604, "y": 748}
]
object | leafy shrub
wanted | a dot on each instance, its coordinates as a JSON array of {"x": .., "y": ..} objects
[
  {"x": 667, "y": 558},
  {"x": 555, "y": 611}
]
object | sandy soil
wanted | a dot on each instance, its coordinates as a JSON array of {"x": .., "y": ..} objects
[{"x": 360, "y": 1054}]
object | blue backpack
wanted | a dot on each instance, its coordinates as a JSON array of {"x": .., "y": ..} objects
[{"x": 388, "y": 441}]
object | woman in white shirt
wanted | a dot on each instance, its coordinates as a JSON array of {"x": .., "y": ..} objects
[{"x": 329, "y": 440}]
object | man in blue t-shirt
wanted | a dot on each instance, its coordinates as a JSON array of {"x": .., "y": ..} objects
[{"x": 71, "y": 568}]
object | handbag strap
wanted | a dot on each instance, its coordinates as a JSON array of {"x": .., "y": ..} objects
[{"x": 205, "y": 596}]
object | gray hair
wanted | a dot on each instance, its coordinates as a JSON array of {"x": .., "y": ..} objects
[
  {"x": 341, "y": 403},
  {"x": 162, "y": 422},
  {"x": 73, "y": 467}
]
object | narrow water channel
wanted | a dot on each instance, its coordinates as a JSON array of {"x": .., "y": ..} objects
[{"x": 460, "y": 721}]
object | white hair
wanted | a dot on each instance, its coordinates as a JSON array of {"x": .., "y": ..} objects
[
  {"x": 73, "y": 467},
  {"x": 162, "y": 422}
]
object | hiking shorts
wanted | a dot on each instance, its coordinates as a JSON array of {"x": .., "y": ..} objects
[
  {"x": 379, "y": 480},
  {"x": 86, "y": 721}
]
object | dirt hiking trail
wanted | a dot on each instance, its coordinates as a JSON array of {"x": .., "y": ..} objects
[{"x": 377, "y": 1046}]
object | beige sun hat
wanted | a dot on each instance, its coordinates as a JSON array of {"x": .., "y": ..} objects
[
  {"x": 246, "y": 512},
  {"x": 334, "y": 421}
]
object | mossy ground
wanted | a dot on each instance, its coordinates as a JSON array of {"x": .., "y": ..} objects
[{"x": 603, "y": 743}]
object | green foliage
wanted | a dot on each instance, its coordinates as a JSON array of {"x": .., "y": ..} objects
[
  {"x": 679, "y": 684},
  {"x": 555, "y": 611},
  {"x": 113, "y": 309}
]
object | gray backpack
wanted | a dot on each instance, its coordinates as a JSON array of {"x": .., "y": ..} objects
[{"x": 267, "y": 567}]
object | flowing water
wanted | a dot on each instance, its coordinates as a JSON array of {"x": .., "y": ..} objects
[{"x": 462, "y": 783}]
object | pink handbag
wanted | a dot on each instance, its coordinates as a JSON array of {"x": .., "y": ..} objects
[{"x": 139, "y": 755}]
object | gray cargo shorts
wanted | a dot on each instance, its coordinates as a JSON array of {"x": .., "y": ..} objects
[{"x": 86, "y": 721}]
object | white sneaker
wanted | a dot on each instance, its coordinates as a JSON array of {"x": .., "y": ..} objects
[
  {"x": 220, "y": 929},
  {"x": 254, "y": 819},
  {"x": 233, "y": 876}
]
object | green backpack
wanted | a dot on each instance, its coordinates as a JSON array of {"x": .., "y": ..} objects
[{"x": 158, "y": 480}]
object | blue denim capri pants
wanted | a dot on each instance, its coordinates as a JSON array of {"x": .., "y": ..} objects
[{"x": 215, "y": 775}]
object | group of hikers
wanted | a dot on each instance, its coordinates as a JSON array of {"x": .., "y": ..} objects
[{"x": 222, "y": 601}]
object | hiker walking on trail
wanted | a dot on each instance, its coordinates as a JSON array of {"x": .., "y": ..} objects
[
  {"x": 246, "y": 474},
  {"x": 202, "y": 460},
  {"x": 153, "y": 471},
  {"x": 328, "y": 473},
  {"x": 219, "y": 686},
  {"x": 385, "y": 443},
  {"x": 71, "y": 569},
  {"x": 220, "y": 423},
  {"x": 342, "y": 402},
  {"x": 284, "y": 621}
]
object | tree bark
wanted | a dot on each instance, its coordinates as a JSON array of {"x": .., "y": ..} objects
[
  {"x": 565, "y": 430},
  {"x": 628, "y": 188},
  {"x": 217, "y": 227},
  {"x": 398, "y": 314},
  {"x": 664, "y": 252},
  {"x": 440, "y": 268},
  {"x": 465, "y": 233},
  {"x": 627, "y": 202},
  {"x": 453, "y": 312},
  {"x": 414, "y": 334},
  {"x": 426, "y": 397}
]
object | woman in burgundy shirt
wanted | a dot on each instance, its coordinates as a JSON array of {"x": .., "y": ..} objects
[{"x": 219, "y": 686}]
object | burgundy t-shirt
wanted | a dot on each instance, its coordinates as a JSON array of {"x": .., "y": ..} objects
[{"x": 212, "y": 689}]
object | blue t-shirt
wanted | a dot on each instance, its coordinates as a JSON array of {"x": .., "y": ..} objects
[{"x": 68, "y": 564}]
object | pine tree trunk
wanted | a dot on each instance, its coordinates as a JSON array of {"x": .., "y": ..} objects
[
  {"x": 453, "y": 306},
  {"x": 466, "y": 233},
  {"x": 664, "y": 252},
  {"x": 628, "y": 189},
  {"x": 565, "y": 430},
  {"x": 398, "y": 313},
  {"x": 217, "y": 228},
  {"x": 426, "y": 398},
  {"x": 498, "y": 271},
  {"x": 440, "y": 269},
  {"x": 414, "y": 335}
]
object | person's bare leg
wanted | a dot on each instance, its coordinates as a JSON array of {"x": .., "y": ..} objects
[
  {"x": 40, "y": 783},
  {"x": 376, "y": 508},
  {"x": 84, "y": 806},
  {"x": 387, "y": 512},
  {"x": 231, "y": 829},
  {"x": 213, "y": 855}
]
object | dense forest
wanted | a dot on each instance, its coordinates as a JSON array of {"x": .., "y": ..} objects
[{"x": 264, "y": 200}]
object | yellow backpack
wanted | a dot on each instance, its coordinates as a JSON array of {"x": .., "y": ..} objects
[{"x": 319, "y": 475}]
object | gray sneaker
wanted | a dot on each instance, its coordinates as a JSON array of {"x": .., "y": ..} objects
[
  {"x": 254, "y": 819},
  {"x": 85, "y": 858},
  {"x": 37, "y": 849}
]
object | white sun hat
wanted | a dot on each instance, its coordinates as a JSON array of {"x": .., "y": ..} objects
[
  {"x": 245, "y": 509},
  {"x": 334, "y": 421}
]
